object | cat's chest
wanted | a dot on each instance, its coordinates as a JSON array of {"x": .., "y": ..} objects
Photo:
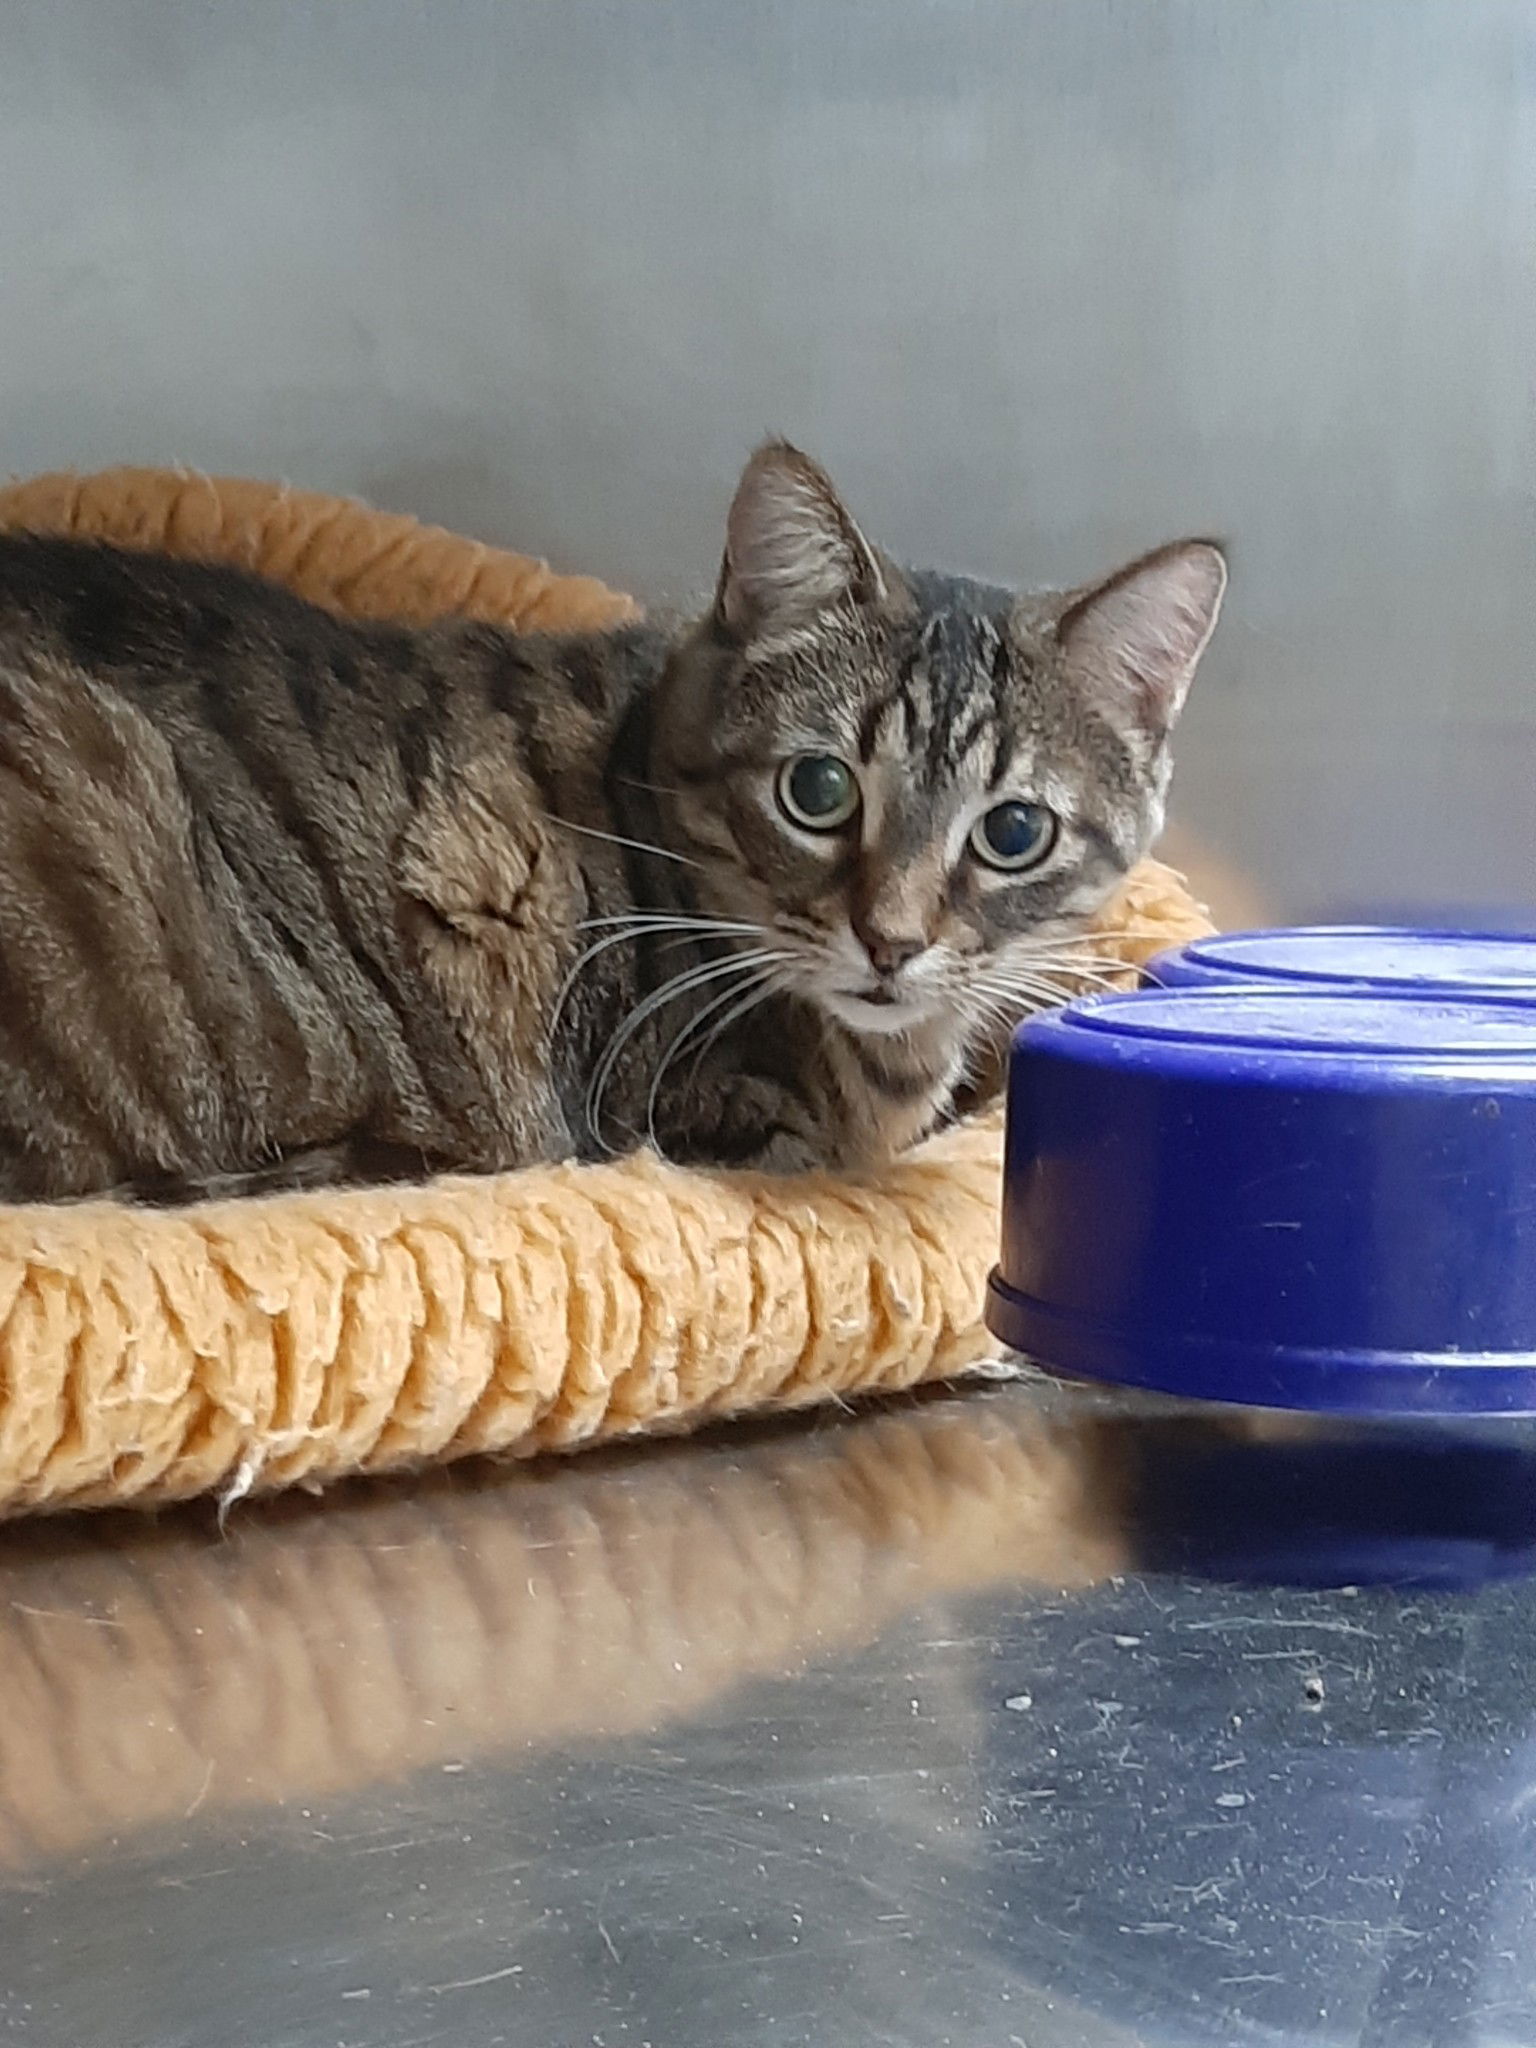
[{"x": 894, "y": 1091}]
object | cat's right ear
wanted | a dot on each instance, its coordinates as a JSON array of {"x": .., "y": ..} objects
[
  {"x": 1132, "y": 643},
  {"x": 791, "y": 547}
]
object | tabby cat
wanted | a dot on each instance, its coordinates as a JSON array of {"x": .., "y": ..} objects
[{"x": 289, "y": 899}]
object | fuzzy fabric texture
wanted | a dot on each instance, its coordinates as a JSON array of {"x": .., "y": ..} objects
[{"x": 246, "y": 1346}]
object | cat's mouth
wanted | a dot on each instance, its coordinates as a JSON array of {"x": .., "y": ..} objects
[{"x": 876, "y": 1009}]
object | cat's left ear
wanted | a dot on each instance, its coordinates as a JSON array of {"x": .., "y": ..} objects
[
  {"x": 1133, "y": 642},
  {"x": 791, "y": 547}
]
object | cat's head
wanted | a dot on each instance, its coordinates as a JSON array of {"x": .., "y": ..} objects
[{"x": 915, "y": 787}]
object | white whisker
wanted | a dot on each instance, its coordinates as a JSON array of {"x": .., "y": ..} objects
[
  {"x": 686, "y": 983},
  {"x": 1075, "y": 962},
  {"x": 775, "y": 983},
  {"x": 1077, "y": 949},
  {"x": 1094, "y": 957},
  {"x": 701, "y": 929},
  {"x": 645, "y": 920},
  {"x": 763, "y": 981},
  {"x": 1076, "y": 973},
  {"x": 1013, "y": 985},
  {"x": 618, "y": 839}
]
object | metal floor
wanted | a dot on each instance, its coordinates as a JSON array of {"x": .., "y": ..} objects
[{"x": 951, "y": 1724}]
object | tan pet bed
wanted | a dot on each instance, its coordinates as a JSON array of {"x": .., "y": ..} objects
[{"x": 149, "y": 1356}]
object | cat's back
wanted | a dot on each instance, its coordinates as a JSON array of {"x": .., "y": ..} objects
[
  {"x": 160, "y": 627},
  {"x": 149, "y": 703},
  {"x": 206, "y": 648},
  {"x": 97, "y": 591},
  {"x": 230, "y": 833}
]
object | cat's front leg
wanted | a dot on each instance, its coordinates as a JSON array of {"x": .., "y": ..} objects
[
  {"x": 790, "y": 1152},
  {"x": 753, "y": 1121}
]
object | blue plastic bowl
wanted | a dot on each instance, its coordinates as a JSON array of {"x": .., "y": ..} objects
[
  {"x": 1298, "y": 1200},
  {"x": 1370, "y": 956}
]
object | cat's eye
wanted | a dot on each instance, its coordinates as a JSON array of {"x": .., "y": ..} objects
[
  {"x": 818, "y": 792},
  {"x": 1014, "y": 836}
]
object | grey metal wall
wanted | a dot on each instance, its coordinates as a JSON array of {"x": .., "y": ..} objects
[{"x": 1042, "y": 280}]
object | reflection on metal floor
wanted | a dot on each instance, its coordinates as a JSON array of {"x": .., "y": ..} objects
[{"x": 953, "y": 1725}]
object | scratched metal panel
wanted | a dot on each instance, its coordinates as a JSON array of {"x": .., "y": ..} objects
[{"x": 949, "y": 1726}]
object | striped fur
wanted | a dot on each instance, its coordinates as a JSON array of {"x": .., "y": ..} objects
[{"x": 286, "y": 898}]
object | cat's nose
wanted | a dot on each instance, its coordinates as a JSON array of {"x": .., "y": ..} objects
[{"x": 889, "y": 952}]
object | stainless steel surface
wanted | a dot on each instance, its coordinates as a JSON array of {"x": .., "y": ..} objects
[
  {"x": 1043, "y": 280},
  {"x": 929, "y": 1726}
]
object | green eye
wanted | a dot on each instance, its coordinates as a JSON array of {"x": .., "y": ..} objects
[
  {"x": 818, "y": 792},
  {"x": 1014, "y": 836}
]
